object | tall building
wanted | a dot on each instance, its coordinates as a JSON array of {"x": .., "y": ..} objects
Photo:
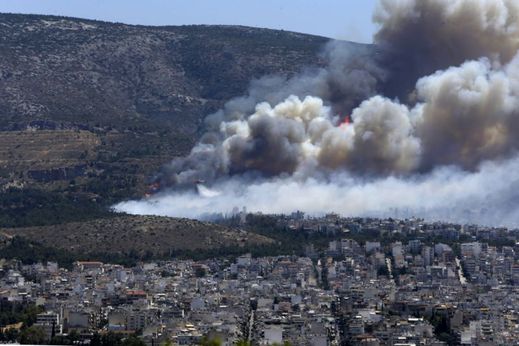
[{"x": 50, "y": 323}]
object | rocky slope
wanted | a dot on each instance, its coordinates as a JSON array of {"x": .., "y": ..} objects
[
  {"x": 80, "y": 71},
  {"x": 89, "y": 110}
]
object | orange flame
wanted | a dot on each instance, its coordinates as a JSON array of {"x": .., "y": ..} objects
[{"x": 346, "y": 121}]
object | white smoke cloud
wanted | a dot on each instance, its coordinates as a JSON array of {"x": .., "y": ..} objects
[
  {"x": 486, "y": 196},
  {"x": 469, "y": 113},
  {"x": 384, "y": 140},
  {"x": 446, "y": 151}
]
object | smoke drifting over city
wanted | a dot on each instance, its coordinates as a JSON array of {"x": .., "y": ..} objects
[{"x": 424, "y": 123}]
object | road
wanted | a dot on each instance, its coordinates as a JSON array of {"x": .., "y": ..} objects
[
  {"x": 251, "y": 324},
  {"x": 390, "y": 269},
  {"x": 463, "y": 279}
]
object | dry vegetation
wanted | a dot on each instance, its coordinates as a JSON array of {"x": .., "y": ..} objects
[
  {"x": 46, "y": 149},
  {"x": 120, "y": 234}
]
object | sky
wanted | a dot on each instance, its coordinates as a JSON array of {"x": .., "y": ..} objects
[{"x": 340, "y": 19}]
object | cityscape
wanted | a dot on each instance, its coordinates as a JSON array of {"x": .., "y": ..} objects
[
  {"x": 259, "y": 172},
  {"x": 437, "y": 284}
]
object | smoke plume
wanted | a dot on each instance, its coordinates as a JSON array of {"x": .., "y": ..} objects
[
  {"x": 488, "y": 196},
  {"x": 446, "y": 133},
  {"x": 420, "y": 37}
]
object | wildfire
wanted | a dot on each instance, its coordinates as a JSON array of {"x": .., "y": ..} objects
[
  {"x": 152, "y": 189},
  {"x": 346, "y": 121}
]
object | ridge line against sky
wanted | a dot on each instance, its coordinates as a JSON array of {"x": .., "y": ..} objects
[{"x": 339, "y": 19}]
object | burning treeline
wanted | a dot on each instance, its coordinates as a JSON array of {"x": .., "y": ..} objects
[{"x": 440, "y": 87}]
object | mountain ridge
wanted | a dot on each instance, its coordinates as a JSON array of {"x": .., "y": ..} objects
[{"x": 90, "y": 110}]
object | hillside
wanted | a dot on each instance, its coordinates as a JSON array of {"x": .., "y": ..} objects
[
  {"x": 139, "y": 236},
  {"x": 89, "y": 110},
  {"x": 81, "y": 71}
]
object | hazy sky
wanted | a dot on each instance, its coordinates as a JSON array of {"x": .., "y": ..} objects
[{"x": 343, "y": 19}]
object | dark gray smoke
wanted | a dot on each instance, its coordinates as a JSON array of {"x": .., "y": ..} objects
[
  {"x": 454, "y": 67},
  {"x": 352, "y": 74},
  {"x": 262, "y": 132},
  {"x": 420, "y": 37}
]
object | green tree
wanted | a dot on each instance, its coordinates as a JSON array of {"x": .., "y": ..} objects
[
  {"x": 32, "y": 335},
  {"x": 11, "y": 334},
  {"x": 210, "y": 342},
  {"x": 96, "y": 340},
  {"x": 110, "y": 339},
  {"x": 382, "y": 271},
  {"x": 200, "y": 272},
  {"x": 133, "y": 341},
  {"x": 166, "y": 343}
]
